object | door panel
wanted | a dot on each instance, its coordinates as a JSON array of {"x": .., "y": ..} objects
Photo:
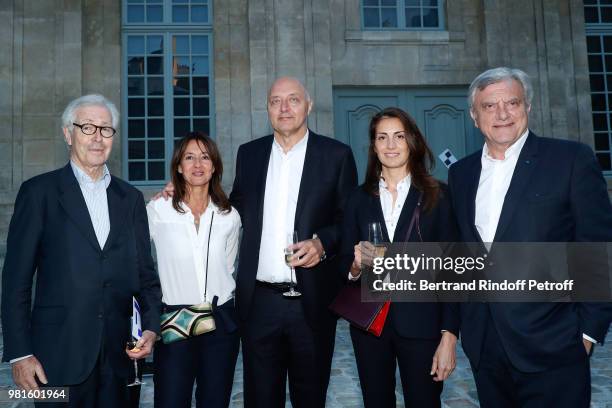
[{"x": 441, "y": 113}]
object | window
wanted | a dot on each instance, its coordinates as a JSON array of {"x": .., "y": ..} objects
[
  {"x": 402, "y": 14},
  {"x": 167, "y": 82},
  {"x": 598, "y": 16}
]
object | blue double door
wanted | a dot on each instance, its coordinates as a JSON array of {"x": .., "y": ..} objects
[{"x": 441, "y": 113}]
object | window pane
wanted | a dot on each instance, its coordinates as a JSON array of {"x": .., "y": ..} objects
[
  {"x": 156, "y": 149},
  {"x": 136, "y": 150},
  {"x": 389, "y": 17},
  {"x": 135, "y": 14},
  {"x": 597, "y": 83},
  {"x": 431, "y": 3},
  {"x": 413, "y": 17},
  {"x": 155, "y": 44},
  {"x": 370, "y": 17},
  {"x": 136, "y": 66},
  {"x": 135, "y": 1},
  {"x": 591, "y": 15},
  {"x": 155, "y": 86},
  {"x": 200, "y": 107},
  {"x": 154, "y": 66},
  {"x": 135, "y": 45},
  {"x": 200, "y": 85},
  {"x": 593, "y": 44},
  {"x": 181, "y": 86},
  {"x": 607, "y": 42},
  {"x": 135, "y": 86},
  {"x": 181, "y": 127},
  {"x": 135, "y": 107},
  {"x": 136, "y": 128},
  {"x": 156, "y": 107},
  {"x": 154, "y": 14},
  {"x": 199, "y": 65},
  {"x": 181, "y": 107},
  {"x": 430, "y": 17},
  {"x": 156, "y": 171},
  {"x": 598, "y": 101},
  {"x": 155, "y": 128},
  {"x": 199, "y": 14},
  {"x": 604, "y": 161},
  {"x": 600, "y": 121},
  {"x": 180, "y": 14},
  {"x": 181, "y": 66},
  {"x": 413, "y": 3},
  {"x": 181, "y": 45},
  {"x": 201, "y": 125},
  {"x": 371, "y": 2},
  {"x": 180, "y": 1},
  {"x": 602, "y": 141},
  {"x": 606, "y": 14},
  {"x": 590, "y": 1},
  {"x": 595, "y": 63},
  {"x": 199, "y": 44},
  {"x": 389, "y": 2},
  {"x": 136, "y": 171}
]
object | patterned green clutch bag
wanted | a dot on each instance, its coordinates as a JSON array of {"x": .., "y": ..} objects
[{"x": 187, "y": 322}]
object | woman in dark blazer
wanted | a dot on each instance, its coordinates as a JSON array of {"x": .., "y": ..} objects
[{"x": 419, "y": 337}]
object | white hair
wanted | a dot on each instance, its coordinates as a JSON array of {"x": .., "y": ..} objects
[
  {"x": 495, "y": 75},
  {"x": 69, "y": 115}
]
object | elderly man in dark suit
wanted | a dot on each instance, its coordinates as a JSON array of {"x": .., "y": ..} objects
[
  {"x": 291, "y": 180},
  {"x": 524, "y": 188},
  {"x": 84, "y": 234}
]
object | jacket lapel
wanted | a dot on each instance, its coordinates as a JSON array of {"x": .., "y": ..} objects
[
  {"x": 406, "y": 215},
  {"x": 520, "y": 179},
  {"x": 377, "y": 215},
  {"x": 260, "y": 178},
  {"x": 309, "y": 175},
  {"x": 71, "y": 199},
  {"x": 474, "y": 178},
  {"x": 117, "y": 209}
]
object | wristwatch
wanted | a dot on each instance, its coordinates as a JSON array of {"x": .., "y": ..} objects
[{"x": 324, "y": 255}]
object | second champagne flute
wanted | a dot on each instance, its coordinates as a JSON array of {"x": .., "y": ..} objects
[{"x": 292, "y": 239}]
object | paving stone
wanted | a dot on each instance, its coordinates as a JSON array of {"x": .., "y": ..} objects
[{"x": 344, "y": 389}]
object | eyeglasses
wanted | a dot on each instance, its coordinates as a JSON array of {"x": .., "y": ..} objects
[{"x": 90, "y": 129}]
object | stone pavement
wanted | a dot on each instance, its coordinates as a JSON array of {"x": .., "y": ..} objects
[{"x": 344, "y": 391}]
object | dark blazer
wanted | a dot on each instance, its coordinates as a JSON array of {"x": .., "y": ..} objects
[
  {"x": 83, "y": 297},
  {"x": 557, "y": 194},
  {"x": 328, "y": 176},
  {"x": 415, "y": 320}
]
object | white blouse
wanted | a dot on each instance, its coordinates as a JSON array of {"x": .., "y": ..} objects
[{"x": 181, "y": 252}]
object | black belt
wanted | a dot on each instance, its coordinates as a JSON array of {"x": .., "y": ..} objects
[{"x": 280, "y": 287}]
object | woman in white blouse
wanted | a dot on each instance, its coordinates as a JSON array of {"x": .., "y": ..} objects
[{"x": 199, "y": 220}]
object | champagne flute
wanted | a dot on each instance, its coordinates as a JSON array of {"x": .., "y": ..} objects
[
  {"x": 375, "y": 237},
  {"x": 292, "y": 239},
  {"x": 131, "y": 345}
]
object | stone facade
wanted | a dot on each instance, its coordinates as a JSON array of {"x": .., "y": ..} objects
[{"x": 54, "y": 50}]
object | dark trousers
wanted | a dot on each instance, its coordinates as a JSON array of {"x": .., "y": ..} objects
[
  {"x": 500, "y": 385},
  {"x": 103, "y": 388},
  {"x": 278, "y": 342},
  {"x": 376, "y": 362},
  {"x": 209, "y": 360}
]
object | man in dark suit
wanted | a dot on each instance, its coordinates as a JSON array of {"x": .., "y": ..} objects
[
  {"x": 84, "y": 234},
  {"x": 291, "y": 180},
  {"x": 525, "y": 188}
]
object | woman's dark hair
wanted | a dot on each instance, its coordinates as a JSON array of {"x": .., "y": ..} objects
[
  {"x": 217, "y": 195},
  {"x": 420, "y": 158}
]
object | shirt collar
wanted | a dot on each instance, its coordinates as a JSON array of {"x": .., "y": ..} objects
[
  {"x": 298, "y": 147},
  {"x": 404, "y": 183},
  {"x": 513, "y": 151},
  {"x": 84, "y": 179}
]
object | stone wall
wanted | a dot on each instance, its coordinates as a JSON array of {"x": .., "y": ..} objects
[{"x": 54, "y": 50}]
